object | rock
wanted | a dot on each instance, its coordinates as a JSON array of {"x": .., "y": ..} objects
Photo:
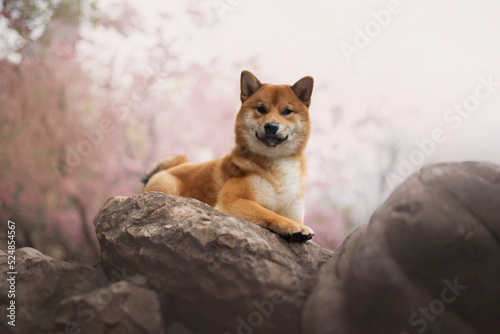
[
  {"x": 215, "y": 273},
  {"x": 429, "y": 260},
  {"x": 121, "y": 308},
  {"x": 58, "y": 297},
  {"x": 41, "y": 283}
]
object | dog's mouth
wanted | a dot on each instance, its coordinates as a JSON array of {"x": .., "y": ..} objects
[{"x": 271, "y": 140}]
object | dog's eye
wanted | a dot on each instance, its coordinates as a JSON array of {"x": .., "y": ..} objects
[
  {"x": 286, "y": 112},
  {"x": 262, "y": 109}
]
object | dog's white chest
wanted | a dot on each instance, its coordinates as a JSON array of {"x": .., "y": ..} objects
[{"x": 280, "y": 189}]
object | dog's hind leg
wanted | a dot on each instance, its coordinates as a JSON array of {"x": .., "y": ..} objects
[
  {"x": 163, "y": 182},
  {"x": 165, "y": 163},
  {"x": 159, "y": 179}
]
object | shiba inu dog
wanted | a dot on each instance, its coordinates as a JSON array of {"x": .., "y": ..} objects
[{"x": 263, "y": 179}]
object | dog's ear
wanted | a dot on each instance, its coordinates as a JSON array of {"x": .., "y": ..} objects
[
  {"x": 249, "y": 85},
  {"x": 303, "y": 89}
]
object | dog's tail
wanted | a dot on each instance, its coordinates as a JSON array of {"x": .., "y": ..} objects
[{"x": 165, "y": 163}]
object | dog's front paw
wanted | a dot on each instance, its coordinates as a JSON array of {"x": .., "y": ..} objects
[{"x": 305, "y": 233}]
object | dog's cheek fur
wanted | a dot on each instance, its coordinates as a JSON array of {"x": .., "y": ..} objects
[
  {"x": 305, "y": 127},
  {"x": 300, "y": 127},
  {"x": 245, "y": 127}
]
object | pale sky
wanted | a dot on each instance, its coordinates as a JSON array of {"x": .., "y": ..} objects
[{"x": 426, "y": 59}]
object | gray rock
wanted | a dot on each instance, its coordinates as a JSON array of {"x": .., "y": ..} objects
[
  {"x": 41, "y": 283},
  {"x": 216, "y": 274},
  {"x": 120, "y": 308},
  {"x": 428, "y": 261}
]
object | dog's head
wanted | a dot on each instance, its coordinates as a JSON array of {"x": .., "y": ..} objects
[{"x": 274, "y": 119}]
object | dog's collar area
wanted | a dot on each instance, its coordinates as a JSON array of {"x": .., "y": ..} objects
[{"x": 271, "y": 140}]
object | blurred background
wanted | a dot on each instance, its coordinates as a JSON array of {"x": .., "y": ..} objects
[{"x": 93, "y": 92}]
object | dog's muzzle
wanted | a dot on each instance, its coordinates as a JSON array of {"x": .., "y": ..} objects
[{"x": 271, "y": 140}]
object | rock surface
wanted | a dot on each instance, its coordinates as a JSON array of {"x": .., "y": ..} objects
[
  {"x": 216, "y": 273},
  {"x": 429, "y": 260},
  {"x": 120, "y": 308},
  {"x": 41, "y": 283}
]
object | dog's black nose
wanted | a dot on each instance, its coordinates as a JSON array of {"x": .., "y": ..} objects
[{"x": 271, "y": 128}]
